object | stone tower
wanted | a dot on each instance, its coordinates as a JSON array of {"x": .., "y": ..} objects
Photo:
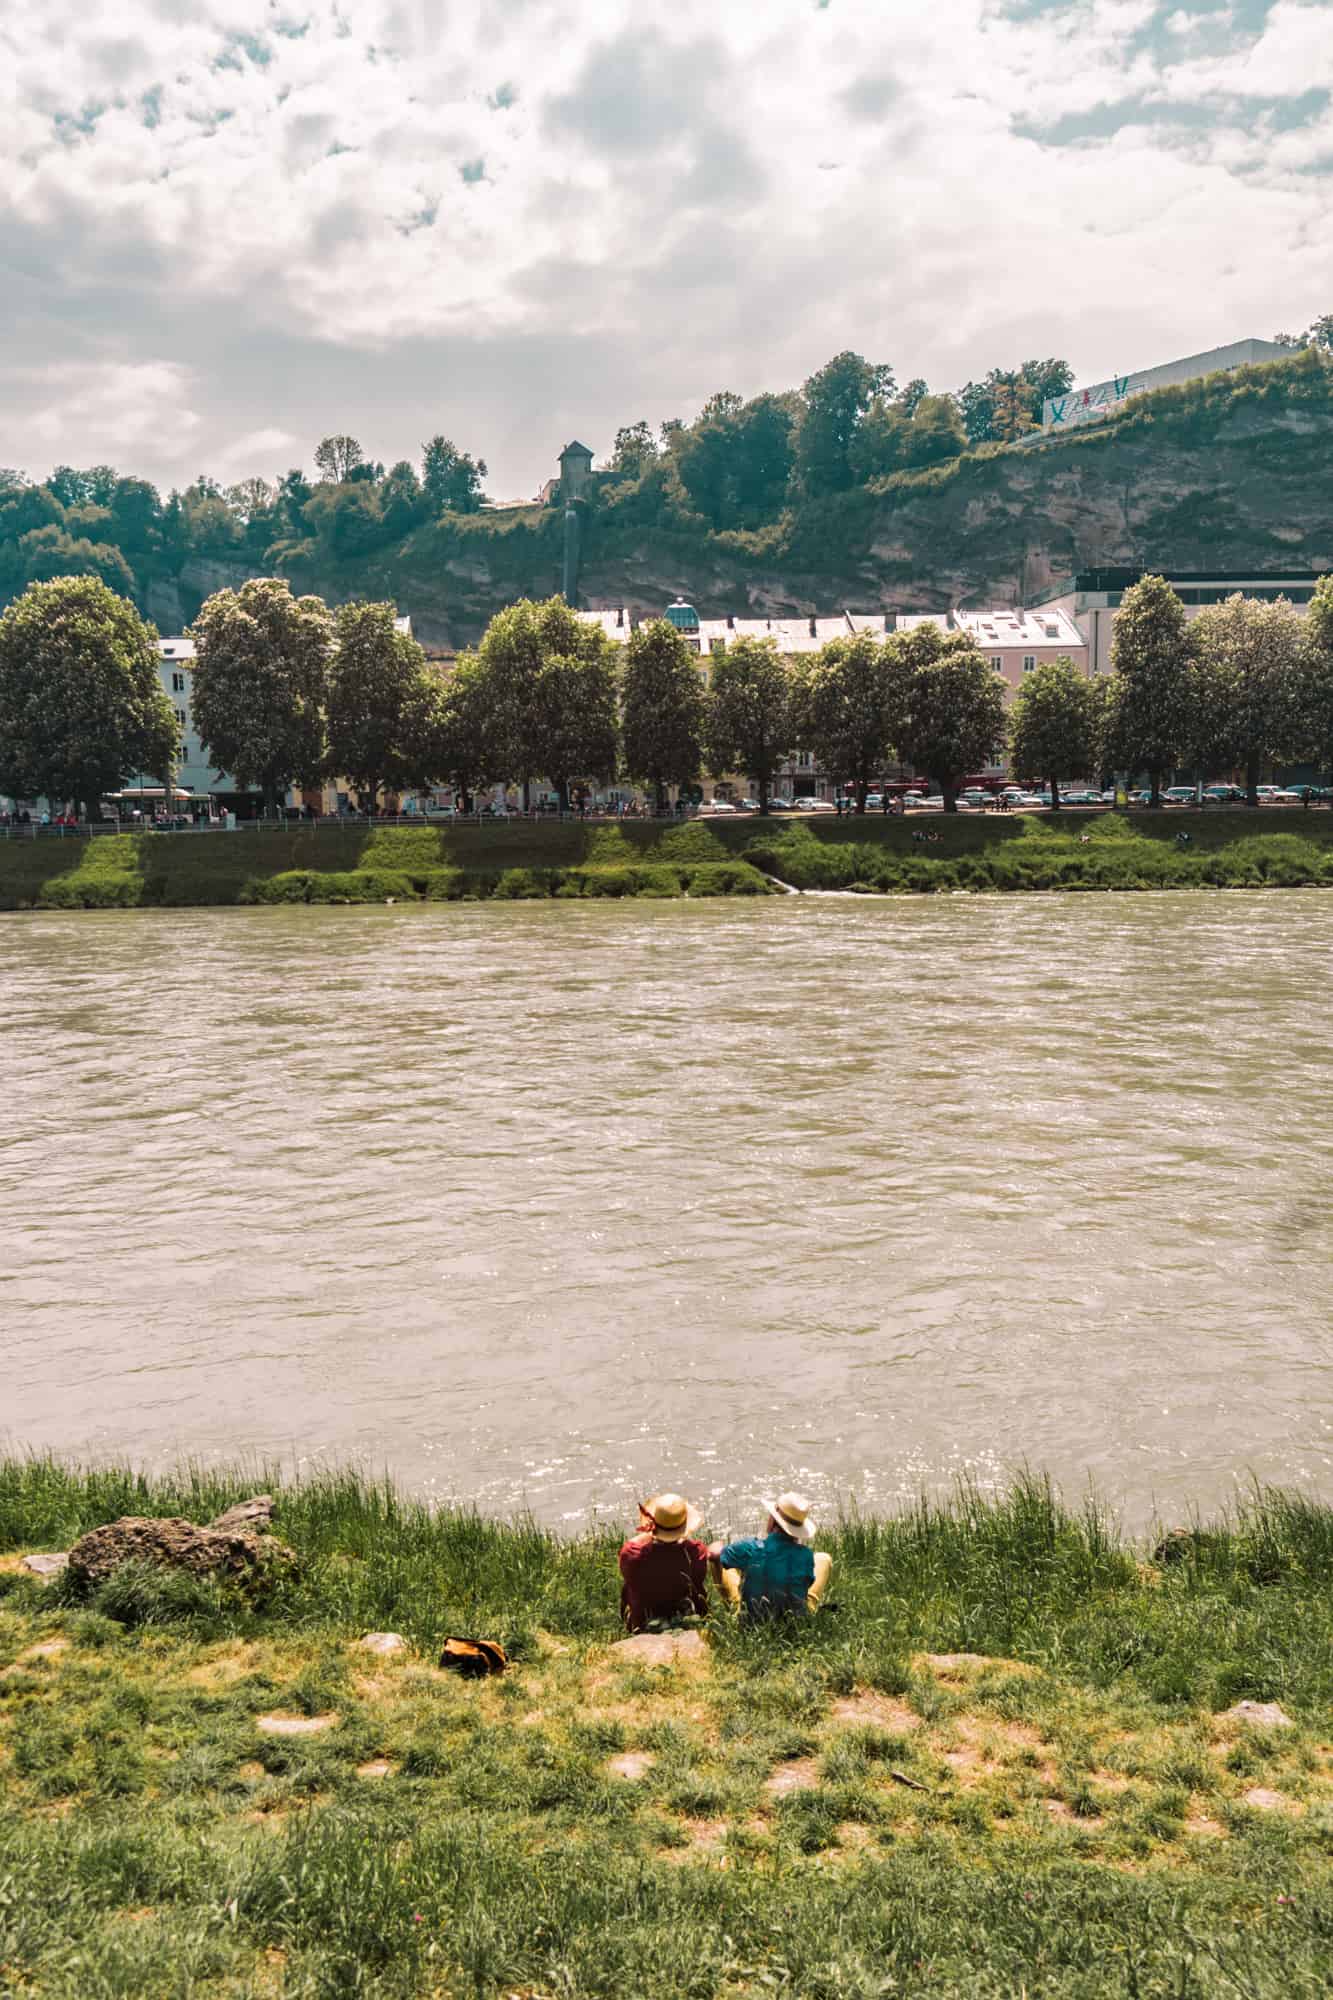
[{"x": 575, "y": 472}]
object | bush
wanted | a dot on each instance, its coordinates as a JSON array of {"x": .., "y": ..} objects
[
  {"x": 520, "y": 885},
  {"x": 362, "y": 885},
  {"x": 442, "y": 885},
  {"x": 291, "y": 886},
  {"x": 692, "y": 842},
  {"x": 726, "y": 878},
  {"x": 107, "y": 876}
]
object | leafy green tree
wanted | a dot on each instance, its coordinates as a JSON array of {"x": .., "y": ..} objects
[
  {"x": 402, "y": 502},
  {"x": 835, "y": 401},
  {"x": 910, "y": 397},
  {"x": 662, "y": 709},
  {"x": 634, "y": 450},
  {"x": 294, "y": 489},
  {"x": 1316, "y": 705},
  {"x": 576, "y": 719},
  {"x": 451, "y": 480},
  {"x": 380, "y": 706},
  {"x": 1319, "y": 334},
  {"x": 464, "y": 740},
  {"x": 519, "y": 643},
  {"x": 947, "y": 705},
  {"x": 336, "y": 458},
  {"x": 1154, "y": 719},
  {"x": 260, "y": 682},
  {"x": 48, "y": 553},
  {"x": 748, "y": 718},
  {"x": 1054, "y": 725},
  {"x": 347, "y": 520},
  {"x": 735, "y": 461},
  {"x": 1248, "y": 656},
  {"x": 81, "y": 705},
  {"x": 842, "y": 709},
  {"x": 1009, "y": 400},
  {"x": 1011, "y": 413},
  {"x": 91, "y": 487}
]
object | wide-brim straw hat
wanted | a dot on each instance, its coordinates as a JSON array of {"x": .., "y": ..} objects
[
  {"x": 672, "y": 1516},
  {"x": 792, "y": 1515}
]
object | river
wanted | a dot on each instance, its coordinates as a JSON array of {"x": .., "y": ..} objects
[{"x": 545, "y": 1205}]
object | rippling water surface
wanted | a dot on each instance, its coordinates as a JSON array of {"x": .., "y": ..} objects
[{"x": 545, "y": 1204}]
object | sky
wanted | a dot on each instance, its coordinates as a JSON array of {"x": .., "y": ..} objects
[{"x": 230, "y": 227}]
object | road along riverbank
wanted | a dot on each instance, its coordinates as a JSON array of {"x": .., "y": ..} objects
[
  {"x": 513, "y": 861},
  {"x": 1022, "y": 1749}
]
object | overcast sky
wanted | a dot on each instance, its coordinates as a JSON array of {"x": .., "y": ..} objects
[{"x": 228, "y": 227}]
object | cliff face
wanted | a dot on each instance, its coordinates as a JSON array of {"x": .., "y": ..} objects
[
  {"x": 1257, "y": 492},
  {"x": 1233, "y": 474}
]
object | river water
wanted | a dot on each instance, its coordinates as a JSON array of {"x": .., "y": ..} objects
[{"x": 546, "y": 1205}]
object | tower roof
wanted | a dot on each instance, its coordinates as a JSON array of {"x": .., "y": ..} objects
[{"x": 582, "y": 450}]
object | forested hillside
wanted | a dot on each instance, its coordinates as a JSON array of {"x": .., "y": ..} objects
[{"x": 849, "y": 492}]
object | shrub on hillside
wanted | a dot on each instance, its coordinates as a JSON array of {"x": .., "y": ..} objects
[
  {"x": 362, "y": 885},
  {"x": 106, "y": 877},
  {"x": 726, "y": 878}
]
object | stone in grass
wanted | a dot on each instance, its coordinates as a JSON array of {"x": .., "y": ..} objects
[
  {"x": 46, "y": 1565},
  {"x": 1259, "y": 1714},
  {"x": 294, "y": 1725},
  {"x": 230, "y": 1554},
  {"x": 383, "y": 1642},
  {"x": 661, "y": 1649},
  {"x": 253, "y": 1516}
]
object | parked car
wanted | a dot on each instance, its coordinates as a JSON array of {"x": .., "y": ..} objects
[
  {"x": 874, "y": 802},
  {"x": 719, "y": 806},
  {"x": 817, "y": 805},
  {"x": 1275, "y": 795},
  {"x": 1317, "y": 794},
  {"x": 928, "y": 802},
  {"x": 432, "y": 811},
  {"x": 974, "y": 798},
  {"x": 1179, "y": 795},
  {"x": 782, "y": 805},
  {"x": 1080, "y": 798}
]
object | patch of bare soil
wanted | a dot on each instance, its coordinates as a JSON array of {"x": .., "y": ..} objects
[
  {"x": 966, "y": 1666},
  {"x": 1065, "y": 1815},
  {"x": 45, "y": 1649},
  {"x": 633, "y": 1764},
  {"x": 378, "y": 1767},
  {"x": 223, "y": 1668},
  {"x": 881, "y": 1711},
  {"x": 252, "y": 1771},
  {"x": 1267, "y": 1800},
  {"x": 1109, "y": 1781},
  {"x": 295, "y": 1725},
  {"x": 705, "y": 1838},
  {"x": 801, "y": 1774},
  {"x": 852, "y": 1835},
  {"x": 1205, "y": 1826}
]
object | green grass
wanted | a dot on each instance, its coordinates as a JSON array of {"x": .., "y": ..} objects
[
  {"x": 1076, "y": 1823},
  {"x": 519, "y": 860}
]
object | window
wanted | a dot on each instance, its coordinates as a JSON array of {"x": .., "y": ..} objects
[
  {"x": 717, "y": 645},
  {"x": 1029, "y": 662},
  {"x": 997, "y": 662},
  {"x": 805, "y": 760},
  {"x": 182, "y": 718},
  {"x": 178, "y": 683}
]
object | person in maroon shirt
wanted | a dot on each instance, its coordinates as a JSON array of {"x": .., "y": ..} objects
[{"x": 664, "y": 1568}]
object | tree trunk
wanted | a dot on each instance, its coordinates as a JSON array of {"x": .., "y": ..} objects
[
  {"x": 660, "y": 802},
  {"x": 1154, "y": 789},
  {"x": 949, "y": 789},
  {"x": 1054, "y": 784},
  {"x": 527, "y": 795},
  {"x": 1252, "y": 767},
  {"x": 562, "y": 793},
  {"x": 763, "y": 795},
  {"x": 861, "y": 790}
]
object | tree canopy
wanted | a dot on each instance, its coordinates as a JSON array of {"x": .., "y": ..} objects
[
  {"x": 1152, "y": 719},
  {"x": 261, "y": 683},
  {"x": 748, "y": 722},
  {"x": 843, "y": 711},
  {"x": 380, "y": 705},
  {"x": 662, "y": 707},
  {"x": 81, "y": 705},
  {"x": 948, "y": 701},
  {"x": 1054, "y": 725}
]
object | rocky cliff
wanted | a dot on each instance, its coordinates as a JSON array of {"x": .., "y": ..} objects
[{"x": 1231, "y": 473}]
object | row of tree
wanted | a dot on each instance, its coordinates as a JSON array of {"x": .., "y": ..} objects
[{"x": 287, "y": 692}]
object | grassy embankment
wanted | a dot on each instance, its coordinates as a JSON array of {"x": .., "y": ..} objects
[
  {"x": 517, "y": 860},
  {"x": 1000, "y": 1767}
]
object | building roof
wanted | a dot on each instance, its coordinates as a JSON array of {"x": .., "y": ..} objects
[
  {"x": 1126, "y": 577},
  {"x": 1034, "y": 631},
  {"x": 570, "y": 449},
  {"x": 176, "y": 649}
]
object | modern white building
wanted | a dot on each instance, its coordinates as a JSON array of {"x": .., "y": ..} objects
[
  {"x": 1100, "y": 399},
  {"x": 1092, "y": 597},
  {"x": 194, "y": 774}
]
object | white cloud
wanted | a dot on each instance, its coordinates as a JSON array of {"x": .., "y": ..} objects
[{"x": 235, "y": 223}]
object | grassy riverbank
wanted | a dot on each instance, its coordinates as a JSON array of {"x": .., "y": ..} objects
[
  {"x": 1003, "y": 1765},
  {"x": 517, "y": 860}
]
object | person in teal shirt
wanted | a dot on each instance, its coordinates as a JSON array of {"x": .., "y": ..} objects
[{"x": 777, "y": 1572}]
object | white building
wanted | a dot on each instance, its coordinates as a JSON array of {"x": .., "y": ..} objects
[
  {"x": 194, "y": 774},
  {"x": 1100, "y": 399},
  {"x": 1092, "y": 597}
]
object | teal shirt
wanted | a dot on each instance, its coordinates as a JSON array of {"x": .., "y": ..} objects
[{"x": 776, "y": 1572}]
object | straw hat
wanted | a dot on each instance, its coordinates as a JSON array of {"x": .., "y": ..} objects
[
  {"x": 672, "y": 1517},
  {"x": 792, "y": 1515}
]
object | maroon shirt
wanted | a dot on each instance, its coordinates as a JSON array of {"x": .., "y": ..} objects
[{"x": 662, "y": 1580}]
